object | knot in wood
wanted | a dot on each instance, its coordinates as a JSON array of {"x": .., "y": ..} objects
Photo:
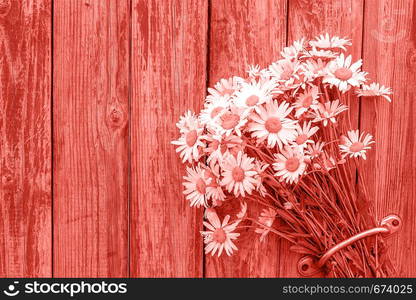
[
  {"x": 7, "y": 179},
  {"x": 116, "y": 117}
]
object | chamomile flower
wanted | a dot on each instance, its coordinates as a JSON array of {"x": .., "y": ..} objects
[
  {"x": 343, "y": 74},
  {"x": 315, "y": 150},
  {"x": 374, "y": 89},
  {"x": 304, "y": 134},
  {"x": 293, "y": 51},
  {"x": 271, "y": 123},
  {"x": 266, "y": 218},
  {"x": 196, "y": 186},
  {"x": 307, "y": 100},
  {"x": 319, "y": 54},
  {"x": 254, "y": 93},
  {"x": 328, "y": 111},
  {"x": 213, "y": 189},
  {"x": 284, "y": 70},
  {"x": 219, "y": 236},
  {"x": 260, "y": 168},
  {"x": 231, "y": 121},
  {"x": 225, "y": 87},
  {"x": 219, "y": 146},
  {"x": 190, "y": 143},
  {"x": 313, "y": 68},
  {"x": 326, "y": 42},
  {"x": 356, "y": 144},
  {"x": 187, "y": 121},
  {"x": 239, "y": 174},
  {"x": 289, "y": 165},
  {"x": 213, "y": 110}
]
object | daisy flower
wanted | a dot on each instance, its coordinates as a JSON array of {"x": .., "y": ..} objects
[
  {"x": 327, "y": 162},
  {"x": 293, "y": 51},
  {"x": 254, "y": 93},
  {"x": 231, "y": 121},
  {"x": 213, "y": 109},
  {"x": 320, "y": 54},
  {"x": 312, "y": 69},
  {"x": 356, "y": 144},
  {"x": 219, "y": 236},
  {"x": 220, "y": 146},
  {"x": 271, "y": 124},
  {"x": 307, "y": 100},
  {"x": 375, "y": 89},
  {"x": 196, "y": 186},
  {"x": 266, "y": 218},
  {"x": 224, "y": 87},
  {"x": 328, "y": 111},
  {"x": 326, "y": 42},
  {"x": 344, "y": 75},
  {"x": 284, "y": 69},
  {"x": 190, "y": 143},
  {"x": 187, "y": 121},
  {"x": 239, "y": 174},
  {"x": 289, "y": 165},
  {"x": 213, "y": 189},
  {"x": 303, "y": 135},
  {"x": 315, "y": 150},
  {"x": 260, "y": 168}
]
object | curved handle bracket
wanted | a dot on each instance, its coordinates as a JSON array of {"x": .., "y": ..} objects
[{"x": 308, "y": 266}]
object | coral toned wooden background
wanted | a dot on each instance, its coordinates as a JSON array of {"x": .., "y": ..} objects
[{"x": 90, "y": 91}]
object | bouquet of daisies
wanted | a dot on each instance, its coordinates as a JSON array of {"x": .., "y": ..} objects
[{"x": 281, "y": 139}]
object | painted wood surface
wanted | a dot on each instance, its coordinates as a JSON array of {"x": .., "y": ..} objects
[
  {"x": 390, "y": 56},
  {"x": 90, "y": 185},
  {"x": 90, "y": 114},
  {"x": 169, "y": 44},
  {"x": 25, "y": 139}
]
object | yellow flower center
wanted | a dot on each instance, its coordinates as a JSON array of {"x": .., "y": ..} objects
[
  {"x": 238, "y": 174},
  {"x": 252, "y": 100},
  {"x": 191, "y": 138},
  {"x": 273, "y": 125},
  {"x": 230, "y": 120},
  {"x": 356, "y": 147},
  {"x": 343, "y": 74},
  {"x": 219, "y": 235},
  {"x": 292, "y": 164}
]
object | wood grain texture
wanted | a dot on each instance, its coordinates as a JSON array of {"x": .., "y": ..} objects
[
  {"x": 309, "y": 19},
  {"x": 25, "y": 139},
  {"x": 243, "y": 33},
  {"x": 169, "y": 40},
  {"x": 390, "y": 57},
  {"x": 91, "y": 71}
]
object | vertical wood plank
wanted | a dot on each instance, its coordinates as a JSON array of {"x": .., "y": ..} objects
[
  {"x": 311, "y": 18},
  {"x": 243, "y": 33},
  {"x": 91, "y": 57},
  {"x": 390, "y": 57},
  {"x": 168, "y": 78},
  {"x": 25, "y": 134}
]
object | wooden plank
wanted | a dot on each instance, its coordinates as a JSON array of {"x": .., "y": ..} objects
[
  {"x": 390, "y": 57},
  {"x": 25, "y": 134},
  {"x": 309, "y": 19},
  {"x": 91, "y": 71},
  {"x": 168, "y": 78},
  {"x": 242, "y": 33}
]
